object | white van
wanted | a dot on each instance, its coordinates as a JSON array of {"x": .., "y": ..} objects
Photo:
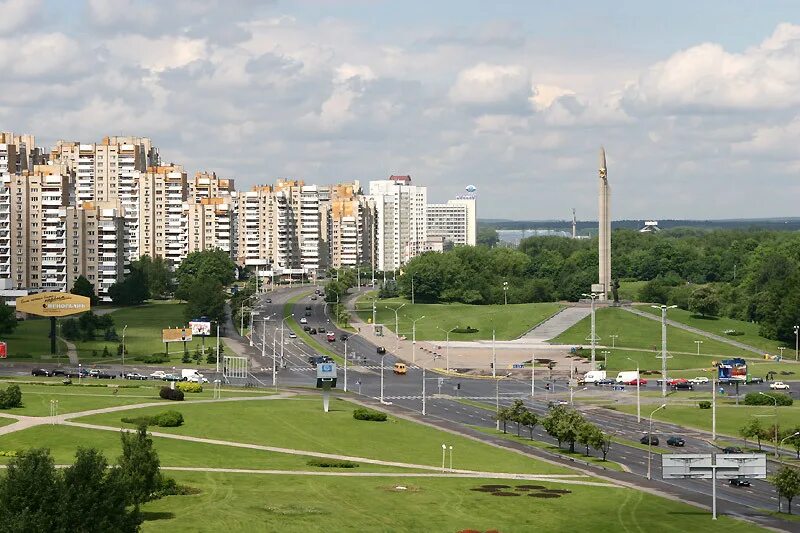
[
  {"x": 593, "y": 376},
  {"x": 627, "y": 377},
  {"x": 192, "y": 375}
]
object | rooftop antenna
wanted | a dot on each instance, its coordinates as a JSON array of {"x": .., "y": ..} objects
[{"x": 574, "y": 224}]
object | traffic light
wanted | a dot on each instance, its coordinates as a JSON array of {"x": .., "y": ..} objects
[{"x": 458, "y": 386}]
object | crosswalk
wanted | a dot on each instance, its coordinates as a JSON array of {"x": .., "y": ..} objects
[{"x": 369, "y": 367}]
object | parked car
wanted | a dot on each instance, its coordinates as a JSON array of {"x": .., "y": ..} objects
[
  {"x": 651, "y": 439},
  {"x": 739, "y": 482},
  {"x": 58, "y": 372},
  {"x": 303, "y": 320},
  {"x": 74, "y": 373},
  {"x": 676, "y": 441},
  {"x": 608, "y": 381},
  {"x": 699, "y": 380},
  {"x": 732, "y": 449},
  {"x": 135, "y": 375},
  {"x": 381, "y": 350},
  {"x": 158, "y": 374},
  {"x": 756, "y": 380},
  {"x": 778, "y": 385},
  {"x": 104, "y": 374},
  {"x": 683, "y": 386},
  {"x": 171, "y": 377},
  {"x": 642, "y": 382},
  {"x": 40, "y": 372}
]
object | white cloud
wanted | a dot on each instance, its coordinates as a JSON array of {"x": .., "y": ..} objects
[
  {"x": 157, "y": 54},
  {"x": 489, "y": 84},
  {"x": 15, "y": 13}
]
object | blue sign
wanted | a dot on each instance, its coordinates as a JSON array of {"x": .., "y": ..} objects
[
  {"x": 518, "y": 365},
  {"x": 326, "y": 371}
]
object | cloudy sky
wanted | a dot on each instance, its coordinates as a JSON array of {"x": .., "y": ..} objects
[{"x": 697, "y": 103}]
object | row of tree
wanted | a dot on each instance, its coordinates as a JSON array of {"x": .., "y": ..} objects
[{"x": 755, "y": 430}]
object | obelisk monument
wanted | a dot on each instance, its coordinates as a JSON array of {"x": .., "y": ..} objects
[{"x": 604, "y": 229}]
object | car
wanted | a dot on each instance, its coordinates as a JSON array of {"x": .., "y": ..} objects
[
  {"x": 306, "y": 328},
  {"x": 556, "y": 403},
  {"x": 756, "y": 380},
  {"x": 699, "y": 380},
  {"x": 40, "y": 372},
  {"x": 135, "y": 375},
  {"x": 307, "y": 313},
  {"x": 649, "y": 439},
  {"x": 642, "y": 382},
  {"x": 314, "y": 297},
  {"x": 303, "y": 320},
  {"x": 676, "y": 441},
  {"x": 331, "y": 336},
  {"x": 343, "y": 337},
  {"x": 171, "y": 377},
  {"x": 606, "y": 382},
  {"x": 58, "y": 372},
  {"x": 292, "y": 335},
  {"x": 739, "y": 482},
  {"x": 683, "y": 386},
  {"x": 267, "y": 300},
  {"x": 93, "y": 373},
  {"x": 313, "y": 331},
  {"x": 381, "y": 350},
  {"x": 778, "y": 385},
  {"x": 732, "y": 449},
  {"x": 74, "y": 373},
  {"x": 321, "y": 329},
  {"x": 158, "y": 374},
  {"x": 103, "y": 374},
  {"x": 308, "y": 308}
]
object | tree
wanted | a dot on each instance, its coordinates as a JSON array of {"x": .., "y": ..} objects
[
  {"x": 569, "y": 426},
  {"x": 132, "y": 290},
  {"x": 487, "y": 237},
  {"x": 11, "y": 397},
  {"x": 517, "y": 413},
  {"x": 205, "y": 297},
  {"x": 8, "y": 319},
  {"x": 207, "y": 264},
  {"x": 704, "y": 300},
  {"x": 28, "y": 493},
  {"x": 139, "y": 466},
  {"x": 787, "y": 483},
  {"x": 794, "y": 439},
  {"x": 754, "y": 430},
  {"x": 530, "y": 421},
  {"x": 503, "y": 415},
  {"x": 587, "y": 434},
  {"x": 157, "y": 274},
  {"x": 83, "y": 287},
  {"x": 602, "y": 443}
]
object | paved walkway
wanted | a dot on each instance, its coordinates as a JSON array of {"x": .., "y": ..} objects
[
  {"x": 558, "y": 323},
  {"x": 72, "y": 351}
]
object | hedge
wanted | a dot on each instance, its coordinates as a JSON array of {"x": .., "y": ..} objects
[
  {"x": 188, "y": 386},
  {"x": 754, "y": 398},
  {"x": 171, "y": 394},
  {"x": 167, "y": 419},
  {"x": 362, "y": 413},
  {"x": 704, "y": 405},
  {"x": 332, "y": 463}
]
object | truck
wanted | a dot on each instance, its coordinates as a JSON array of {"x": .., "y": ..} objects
[
  {"x": 627, "y": 376},
  {"x": 593, "y": 376},
  {"x": 192, "y": 375}
]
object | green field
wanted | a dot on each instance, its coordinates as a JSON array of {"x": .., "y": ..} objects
[
  {"x": 238, "y": 502},
  {"x": 31, "y": 339},
  {"x": 510, "y": 321},
  {"x": 301, "y": 424},
  {"x": 629, "y": 290},
  {"x": 639, "y": 332},
  {"x": 718, "y": 325}
]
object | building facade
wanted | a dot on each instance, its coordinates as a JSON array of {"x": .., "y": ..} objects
[
  {"x": 454, "y": 221},
  {"x": 401, "y": 224}
]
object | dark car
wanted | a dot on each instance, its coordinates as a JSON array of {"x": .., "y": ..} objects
[
  {"x": 343, "y": 337},
  {"x": 313, "y": 331},
  {"x": 313, "y": 297},
  {"x": 40, "y": 372},
  {"x": 676, "y": 441},
  {"x": 308, "y": 313},
  {"x": 683, "y": 386},
  {"x": 102, "y": 374},
  {"x": 732, "y": 449},
  {"x": 606, "y": 382},
  {"x": 58, "y": 372},
  {"x": 74, "y": 373},
  {"x": 308, "y": 308},
  {"x": 756, "y": 380},
  {"x": 267, "y": 300},
  {"x": 381, "y": 350},
  {"x": 651, "y": 439},
  {"x": 321, "y": 329},
  {"x": 739, "y": 482},
  {"x": 306, "y": 328}
]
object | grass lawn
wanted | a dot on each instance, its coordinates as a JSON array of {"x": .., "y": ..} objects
[
  {"x": 143, "y": 336},
  {"x": 63, "y": 441},
  {"x": 629, "y": 290},
  {"x": 639, "y": 332},
  {"x": 239, "y": 502},
  {"x": 783, "y": 370},
  {"x": 729, "y": 417},
  {"x": 650, "y": 361},
  {"x": 718, "y": 325},
  {"x": 510, "y": 321},
  {"x": 301, "y": 424},
  {"x": 31, "y": 339}
]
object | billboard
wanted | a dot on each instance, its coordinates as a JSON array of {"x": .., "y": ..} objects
[
  {"x": 686, "y": 465},
  {"x": 701, "y": 465},
  {"x": 176, "y": 335},
  {"x": 732, "y": 371},
  {"x": 200, "y": 327},
  {"x": 3, "y": 350},
  {"x": 749, "y": 465},
  {"x": 53, "y": 304}
]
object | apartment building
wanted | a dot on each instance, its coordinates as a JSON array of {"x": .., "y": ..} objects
[
  {"x": 256, "y": 228},
  {"x": 348, "y": 227},
  {"x": 210, "y": 224},
  {"x": 18, "y": 153},
  {"x": 401, "y": 222},
  {"x": 163, "y": 193},
  {"x": 454, "y": 221},
  {"x": 208, "y": 185}
]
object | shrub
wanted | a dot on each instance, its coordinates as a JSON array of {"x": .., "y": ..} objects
[
  {"x": 754, "y": 398},
  {"x": 170, "y": 487},
  {"x": 704, "y": 405},
  {"x": 167, "y": 419},
  {"x": 156, "y": 359},
  {"x": 8, "y": 454},
  {"x": 362, "y": 413},
  {"x": 11, "y": 397},
  {"x": 331, "y": 463},
  {"x": 187, "y": 386},
  {"x": 467, "y": 329},
  {"x": 171, "y": 394}
]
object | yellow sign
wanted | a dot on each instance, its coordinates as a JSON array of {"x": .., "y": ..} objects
[
  {"x": 176, "y": 335},
  {"x": 53, "y": 304}
]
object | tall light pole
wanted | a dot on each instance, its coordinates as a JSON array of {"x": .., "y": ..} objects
[
  {"x": 774, "y": 399},
  {"x": 613, "y": 340},
  {"x": 424, "y": 394},
  {"x": 412, "y": 289},
  {"x": 217, "y": 321},
  {"x": 698, "y": 343},
  {"x": 784, "y": 439},
  {"x": 396, "y": 320},
  {"x": 382, "y": 357},
  {"x": 572, "y": 392},
  {"x": 494, "y": 357},
  {"x": 283, "y": 344},
  {"x": 796, "y": 341},
  {"x": 345, "y": 358},
  {"x": 650, "y": 440},
  {"x": 593, "y": 296},
  {"x": 447, "y": 344},
  {"x": 414, "y": 338},
  {"x": 638, "y": 404},
  {"x": 664, "y": 346},
  {"x": 605, "y": 354},
  {"x": 251, "y": 327},
  {"x": 505, "y": 293},
  {"x": 533, "y": 374},
  {"x": 123, "y": 350}
]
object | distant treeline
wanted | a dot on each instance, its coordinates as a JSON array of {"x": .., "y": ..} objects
[{"x": 585, "y": 227}]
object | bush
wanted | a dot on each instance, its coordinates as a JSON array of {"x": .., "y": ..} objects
[
  {"x": 467, "y": 329},
  {"x": 8, "y": 454},
  {"x": 11, "y": 397},
  {"x": 331, "y": 463},
  {"x": 170, "y": 487},
  {"x": 754, "y": 398},
  {"x": 155, "y": 359},
  {"x": 167, "y": 419},
  {"x": 704, "y": 405},
  {"x": 187, "y": 386},
  {"x": 362, "y": 413},
  {"x": 171, "y": 394}
]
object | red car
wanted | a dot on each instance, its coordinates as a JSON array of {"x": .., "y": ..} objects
[
  {"x": 673, "y": 382},
  {"x": 331, "y": 336},
  {"x": 642, "y": 382}
]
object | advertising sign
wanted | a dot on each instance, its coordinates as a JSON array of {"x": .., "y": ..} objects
[
  {"x": 176, "y": 335},
  {"x": 53, "y": 304},
  {"x": 326, "y": 375},
  {"x": 686, "y": 465},
  {"x": 749, "y": 465},
  {"x": 732, "y": 371},
  {"x": 3, "y": 350},
  {"x": 200, "y": 327}
]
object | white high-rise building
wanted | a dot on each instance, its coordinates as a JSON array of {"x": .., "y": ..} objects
[
  {"x": 401, "y": 222},
  {"x": 455, "y": 221}
]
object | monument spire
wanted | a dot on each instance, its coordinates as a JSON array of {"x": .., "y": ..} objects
[{"x": 604, "y": 229}]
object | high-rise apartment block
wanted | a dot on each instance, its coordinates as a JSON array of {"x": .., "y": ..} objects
[
  {"x": 349, "y": 227},
  {"x": 163, "y": 191},
  {"x": 454, "y": 221},
  {"x": 400, "y": 220}
]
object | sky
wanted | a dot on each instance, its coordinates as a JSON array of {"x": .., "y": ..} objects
[{"x": 696, "y": 103}]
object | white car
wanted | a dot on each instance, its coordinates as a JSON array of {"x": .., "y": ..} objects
[
  {"x": 303, "y": 320},
  {"x": 196, "y": 379},
  {"x": 292, "y": 335},
  {"x": 699, "y": 380},
  {"x": 778, "y": 385},
  {"x": 158, "y": 374}
]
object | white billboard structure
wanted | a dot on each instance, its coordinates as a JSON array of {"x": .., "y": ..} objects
[
  {"x": 234, "y": 367},
  {"x": 713, "y": 467}
]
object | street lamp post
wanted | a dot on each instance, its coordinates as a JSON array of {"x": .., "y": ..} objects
[
  {"x": 593, "y": 296},
  {"x": 613, "y": 340},
  {"x": 664, "y": 346},
  {"x": 217, "y": 321},
  {"x": 447, "y": 345},
  {"x": 650, "y": 441},
  {"x": 382, "y": 357},
  {"x": 283, "y": 344},
  {"x": 698, "y": 343},
  {"x": 774, "y": 399},
  {"x": 123, "y": 350},
  {"x": 572, "y": 392},
  {"x": 414, "y": 338},
  {"x": 396, "y": 320},
  {"x": 494, "y": 357},
  {"x": 784, "y": 439},
  {"x": 638, "y": 404},
  {"x": 533, "y": 374},
  {"x": 505, "y": 293},
  {"x": 796, "y": 341},
  {"x": 444, "y": 451},
  {"x": 412, "y": 292},
  {"x": 345, "y": 358},
  {"x": 605, "y": 354},
  {"x": 424, "y": 394}
]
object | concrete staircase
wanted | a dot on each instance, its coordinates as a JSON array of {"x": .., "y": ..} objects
[{"x": 557, "y": 324}]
